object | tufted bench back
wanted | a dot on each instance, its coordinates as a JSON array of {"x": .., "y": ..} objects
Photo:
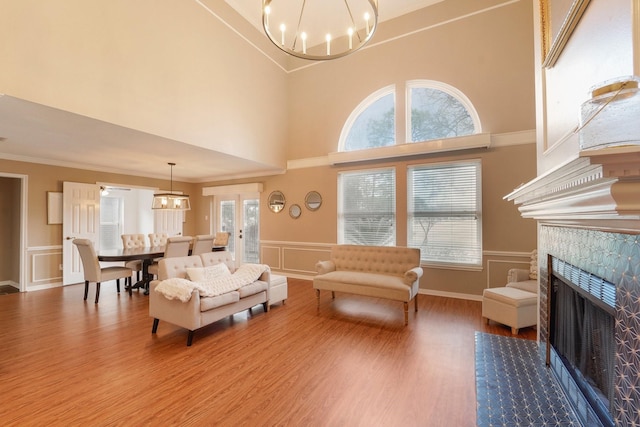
[{"x": 390, "y": 260}]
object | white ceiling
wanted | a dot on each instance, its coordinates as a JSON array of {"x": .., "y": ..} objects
[{"x": 40, "y": 134}]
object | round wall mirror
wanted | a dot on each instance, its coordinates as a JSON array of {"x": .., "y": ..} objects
[
  {"x": 276, "y": 201},
  {"x": 295, "y": 211},
  {"x": 313, "y": 200}
]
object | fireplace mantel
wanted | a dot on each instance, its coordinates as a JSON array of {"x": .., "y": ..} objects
[{"x": 598, "y": 188}]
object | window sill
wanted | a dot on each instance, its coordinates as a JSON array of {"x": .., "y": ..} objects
[{"x": 481, "y": 140}]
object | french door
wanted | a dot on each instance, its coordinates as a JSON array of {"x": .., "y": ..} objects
[{"x": 240, "y": 216}]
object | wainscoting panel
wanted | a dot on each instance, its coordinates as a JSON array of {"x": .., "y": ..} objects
[
  {"x": 294, "y": 259},
  {"x": 44, "y": 267},
  {"x": 270, "y": 255}
]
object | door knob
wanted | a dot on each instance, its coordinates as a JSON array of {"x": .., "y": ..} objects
[{"x": 70, "y": 238}]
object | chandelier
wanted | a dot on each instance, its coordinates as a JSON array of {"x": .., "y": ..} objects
[
  {"x": 319, "y": 29},
  {"x": 170, "y": 200}
]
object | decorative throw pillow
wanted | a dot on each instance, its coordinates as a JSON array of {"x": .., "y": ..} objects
[{"x": 204, "y": 274}]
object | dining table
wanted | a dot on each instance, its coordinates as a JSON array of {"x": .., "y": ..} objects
[{"x": 146, "y": 254}]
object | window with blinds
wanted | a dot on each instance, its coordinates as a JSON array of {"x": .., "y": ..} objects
[
  {"x": 367, "y": 207},
  {"x": 444, "y": 212},
  {"x": 111, "y": 215}
]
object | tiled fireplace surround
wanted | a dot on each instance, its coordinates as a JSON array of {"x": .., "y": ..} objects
[
  {"x": 588, "y": 212},
  {"x": 614, "y": 257}
]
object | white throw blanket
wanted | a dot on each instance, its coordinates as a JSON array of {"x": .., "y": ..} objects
[{"x": 181, "y": 289}]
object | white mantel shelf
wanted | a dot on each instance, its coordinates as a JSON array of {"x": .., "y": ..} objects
[{"x": 599, "y": 188}]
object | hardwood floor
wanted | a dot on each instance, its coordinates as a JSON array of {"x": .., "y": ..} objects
[{"x": 69, "y": 362}]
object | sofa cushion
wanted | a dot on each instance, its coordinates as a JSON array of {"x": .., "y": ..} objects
[
  {"x": 525, "y": 285},
  {"x": 209, "y": 303},
  {"x": 204, "y": 274},
  {"x": 360, "y": 278},
  {"x": 253, "y": 288}
]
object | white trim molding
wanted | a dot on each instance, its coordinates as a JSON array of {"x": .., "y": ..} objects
[{"x": 599, "y": 189}]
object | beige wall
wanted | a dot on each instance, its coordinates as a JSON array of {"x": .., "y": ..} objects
[
  {"x": 600, "y": 48},
  {"x": 168, "y": 68},
  {"x": 293, "y": 246},
  {"x": 260, "y": 112},
  {"x": 487, "y": 56}
]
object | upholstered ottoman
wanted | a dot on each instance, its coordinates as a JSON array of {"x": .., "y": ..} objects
[
  {"x": 278, "y": 289},
  {"x": 510, "y": 306}
]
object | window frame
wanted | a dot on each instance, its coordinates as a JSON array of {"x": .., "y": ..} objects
[{"x": 439, "y": 263}]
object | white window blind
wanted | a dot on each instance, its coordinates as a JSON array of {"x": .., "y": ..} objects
[
  {"x": 111, "y": 214},
  {"x": 367, "y": 207},
  {"x": 445, "y": 212}
]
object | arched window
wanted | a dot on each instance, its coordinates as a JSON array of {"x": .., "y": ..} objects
[
  {"x": 438, "y": 111},
  {"x": 372, "y": 123}
]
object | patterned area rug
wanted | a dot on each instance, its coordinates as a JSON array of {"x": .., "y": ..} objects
[{"x": 515, "y": 388}]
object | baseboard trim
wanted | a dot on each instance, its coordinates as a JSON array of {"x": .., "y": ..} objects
[{"x": 445, "y": 294}]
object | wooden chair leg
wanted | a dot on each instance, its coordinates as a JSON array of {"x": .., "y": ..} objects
[
  {"x": 131, "y": 287},
  {"x": 318, "y": 299},
  {"x": 154, "y": 329},
  {"x": 86, "y": 289},
  {"x": 514, "y": 331},
  {"x": 118, "y": 285},
  {"x": 416, "y": 302},
  {"x": 190, "y": 339},
  {"x": 406, "y": 313},
  {"x": 97, "y": 291}
]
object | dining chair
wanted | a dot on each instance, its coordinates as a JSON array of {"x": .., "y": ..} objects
[
  {"x": 176, "y": 246},
  {"x": 94, "y": 273},
  {"x": 222, "y": 238},
  {"x": 133, "y": 241},
  {"x": 157, "y": 239},
  {"x": 202, "y": 243}
]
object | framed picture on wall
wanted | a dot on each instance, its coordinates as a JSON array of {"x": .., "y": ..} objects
[
  {"x": 558, "y": 20},
  {"x": 54, "y": 207}
]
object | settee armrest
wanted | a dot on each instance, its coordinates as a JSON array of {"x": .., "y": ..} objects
[
  {"x": 323, "y": 267},
  {"x": 412, "y": 275},
  {"x": 517, "y": 275}
]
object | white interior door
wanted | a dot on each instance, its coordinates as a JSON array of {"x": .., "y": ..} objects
[
  {"x": 81, "y": 219},
  {"x": 167, "y": 221},
  {"x": 240, "y": 215}
]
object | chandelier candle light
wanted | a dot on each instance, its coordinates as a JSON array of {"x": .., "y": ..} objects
[
  {"x": 320, "y": 29},
  {"x": 170, "y": 200}
]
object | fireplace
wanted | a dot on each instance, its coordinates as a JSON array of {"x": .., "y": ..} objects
[
  {"x": 582, "y": 338},
  {"x": 588, "y": 214},
  {"x": 611, "y": 263}
]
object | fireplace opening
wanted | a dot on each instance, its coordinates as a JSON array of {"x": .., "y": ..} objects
[{"x": 582, "y": 334}]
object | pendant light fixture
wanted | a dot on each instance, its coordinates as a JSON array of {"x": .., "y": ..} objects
[
  {"x": 319, "y": 29},
  {"x": 171, "y": 201}
]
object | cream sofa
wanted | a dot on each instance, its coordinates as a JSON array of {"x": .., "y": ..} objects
[
  {"x": 389, "y": 272},
  {"x": 200, "y": 311}
]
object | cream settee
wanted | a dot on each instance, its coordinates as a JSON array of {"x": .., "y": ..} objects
[
  {"x": 199, "y": 311},
  {"x": 389, "y": 272}
]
